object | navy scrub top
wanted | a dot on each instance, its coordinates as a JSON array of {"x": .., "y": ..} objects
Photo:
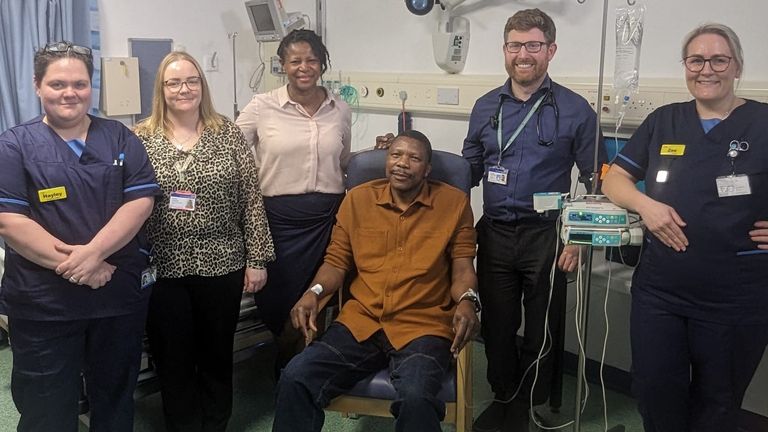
[
  {"x": 722, "y": 276},
  {"x": 113, "y": 169}
]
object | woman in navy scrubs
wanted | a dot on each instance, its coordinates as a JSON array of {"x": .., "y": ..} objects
[
  {"x": 75, "y": 191},
  {"x": 699, "y": 325}
]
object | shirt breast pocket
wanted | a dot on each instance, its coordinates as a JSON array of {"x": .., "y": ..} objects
[
  {"x": 370, "y": 248},
  {"x": 426, "y": 248},
  {"x": 113, "y": 181}
]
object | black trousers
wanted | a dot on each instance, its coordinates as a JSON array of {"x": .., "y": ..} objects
[
  {"x": 514, "y": 261},
  {"x": 48, "y": 357},
  {"x": 191, "y": 327},
  {"x": 690, "y": 375}
]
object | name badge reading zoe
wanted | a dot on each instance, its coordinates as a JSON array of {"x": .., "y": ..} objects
[
  {"x": 52, "y": 194},
  {"x": 498, "y": 175},
  {"x": 733, "y": 185},
  {"x": 182, "y": 200},
  {"x": 672, "y": 150}
]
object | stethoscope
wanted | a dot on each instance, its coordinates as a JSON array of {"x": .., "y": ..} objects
[{"x": 548, "y": 101}]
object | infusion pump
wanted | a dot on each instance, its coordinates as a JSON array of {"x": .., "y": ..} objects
[{"x": 592, "y": 220}]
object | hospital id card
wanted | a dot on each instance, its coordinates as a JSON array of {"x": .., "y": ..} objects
[
  {"x": 182, "y": 200},
  {"x": 498, "y": 174},
  {"x": 148, "y": 277},
  {"x": 733, "y": 185}
]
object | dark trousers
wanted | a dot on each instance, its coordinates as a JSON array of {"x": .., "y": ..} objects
[
  {"x": 332, "y": 365},
  {"x": 691, "y": 375},
  {"x": 191, "y": 328},
  {"x": 48, "y": 358},
  {"x": 514, "y": 261}
]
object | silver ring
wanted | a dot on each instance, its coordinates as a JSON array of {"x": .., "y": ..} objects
[{"x": 73, "y": 280}]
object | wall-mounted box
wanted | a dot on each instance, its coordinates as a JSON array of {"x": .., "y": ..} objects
[{"x": 120, "y": 94}]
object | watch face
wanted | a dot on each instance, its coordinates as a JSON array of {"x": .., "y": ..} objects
[{"x": 317, "y": 289}]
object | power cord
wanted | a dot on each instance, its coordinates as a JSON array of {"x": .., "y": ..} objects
[{"x": 258, "y": 74}]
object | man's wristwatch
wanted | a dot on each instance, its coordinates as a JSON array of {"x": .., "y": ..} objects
[
  {"x": 471, "y": 295},
  {"x": 317, "y": 289}
]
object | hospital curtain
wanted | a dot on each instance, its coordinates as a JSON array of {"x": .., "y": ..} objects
[{"x": 26, "y": 26}]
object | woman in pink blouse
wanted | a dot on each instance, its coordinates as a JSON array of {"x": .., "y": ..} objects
[{"x": 301, "y": 136}]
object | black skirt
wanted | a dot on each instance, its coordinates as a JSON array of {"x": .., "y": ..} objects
[{"x": 301, "y": 228}]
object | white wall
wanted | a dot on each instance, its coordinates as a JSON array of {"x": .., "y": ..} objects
[{"x": 382, "y": 36}]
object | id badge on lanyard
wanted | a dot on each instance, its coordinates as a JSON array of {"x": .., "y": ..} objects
[
  {"x": 182, "y": 200},
  {"x": 497, "y": 174},
  {"x": 734, "y": 184}
]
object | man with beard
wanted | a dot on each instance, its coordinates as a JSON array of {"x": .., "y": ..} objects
[{"x": 523, "y": 138}]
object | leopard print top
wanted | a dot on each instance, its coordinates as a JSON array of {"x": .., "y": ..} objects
[{"x": 228, "y": 228}]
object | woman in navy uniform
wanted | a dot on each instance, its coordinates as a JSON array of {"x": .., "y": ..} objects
[
  {"x": 699, "y": 324},
  {"x": 75, "y": 191}
]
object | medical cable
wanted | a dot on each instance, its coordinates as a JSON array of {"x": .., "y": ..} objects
[
  {"x": 350, "y": 95},
  {"x": 605, "y": 339},
  {"x": 578, "y": 318},
  {"x": 258, "y": 74},
  {"x": 552, "y": 273},
  {"x": 547, "y": 334}
]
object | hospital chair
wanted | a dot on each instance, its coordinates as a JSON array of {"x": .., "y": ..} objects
[{"x": 374, "y": 394}]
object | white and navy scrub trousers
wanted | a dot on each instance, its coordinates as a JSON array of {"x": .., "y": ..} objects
[
  {"x": 60, "y": 329},
  {"x": 699, "y": 321}
]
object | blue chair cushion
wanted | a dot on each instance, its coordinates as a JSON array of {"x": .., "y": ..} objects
[{"x": 378, "y": 386}]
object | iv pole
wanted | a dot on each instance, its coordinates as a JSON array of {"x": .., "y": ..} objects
[
  {"x": 233, "y": 36},
  {"x": 588, "y": 264}
]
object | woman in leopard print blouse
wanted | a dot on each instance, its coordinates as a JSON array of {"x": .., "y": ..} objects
[{"x": 211, "y": 240}]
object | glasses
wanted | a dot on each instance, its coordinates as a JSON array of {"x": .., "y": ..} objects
[
  {"x": 531, "y": 46},
  {"x": 174, "y": 85},
  {"x": 717, "y": 63},
  {"x": 63, "y": 47}
]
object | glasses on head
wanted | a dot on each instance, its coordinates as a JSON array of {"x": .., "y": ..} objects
[
  {"x": 696, "y": 63},
  {"x": 62, "y": 47},
  {"x": 174, "y": 85},
  {"x": 531, "y": 46}
]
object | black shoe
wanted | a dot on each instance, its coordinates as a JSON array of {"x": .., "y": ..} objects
[
  {"x": 492, "y": 419},
  {"x": 516, "y": 419}
]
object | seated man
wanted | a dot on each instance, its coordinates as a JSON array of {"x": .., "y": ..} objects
[{"x": 412, "y": 242}]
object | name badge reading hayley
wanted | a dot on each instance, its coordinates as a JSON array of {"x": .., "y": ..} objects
[
  {"x": 498, "y": 174},
  {"x": 672, "y": 150},
  {"x": 182, "y": 200},
  {"x": 52, "y": 194},
  {"x": 733, "y": 185}
]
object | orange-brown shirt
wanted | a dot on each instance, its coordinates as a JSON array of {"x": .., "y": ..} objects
[{"x": 403, "y": 259}]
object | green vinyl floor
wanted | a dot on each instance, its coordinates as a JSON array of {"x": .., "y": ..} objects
[{"x": 254, "y": 390}]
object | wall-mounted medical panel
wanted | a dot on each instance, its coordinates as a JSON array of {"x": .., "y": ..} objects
[{"x": 455, "y": 95}]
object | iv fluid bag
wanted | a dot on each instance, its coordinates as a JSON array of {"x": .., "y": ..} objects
[{"x": 629, "y": 37}]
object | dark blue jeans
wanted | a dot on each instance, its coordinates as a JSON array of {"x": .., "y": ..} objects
[{"x": 332, "y": 365}]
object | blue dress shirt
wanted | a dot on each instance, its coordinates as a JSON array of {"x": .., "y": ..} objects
[{"x": 533, "y": 165}]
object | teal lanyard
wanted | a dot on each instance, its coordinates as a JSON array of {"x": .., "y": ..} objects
[{"x": 519, "y": 128}]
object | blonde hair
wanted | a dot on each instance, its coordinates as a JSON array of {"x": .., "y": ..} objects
[
  {"x": 159, "y": 119},
  {"x": 723, "y": 31}
]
